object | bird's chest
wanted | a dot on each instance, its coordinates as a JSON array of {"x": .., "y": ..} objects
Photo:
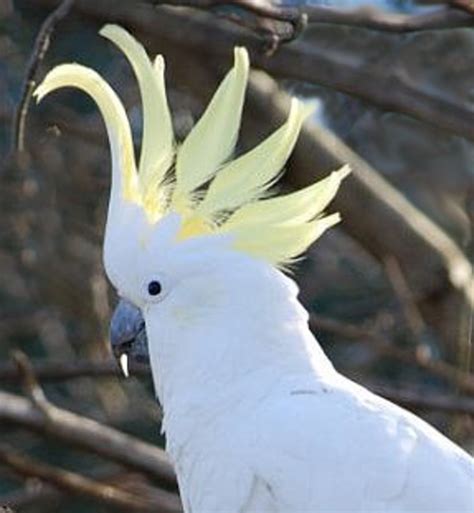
[
  {"x": 213, "y": 471},
  {"x": 214, "y": 465}
]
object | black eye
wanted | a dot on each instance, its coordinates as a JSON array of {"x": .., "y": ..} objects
[{"x": 154, "y": 288}]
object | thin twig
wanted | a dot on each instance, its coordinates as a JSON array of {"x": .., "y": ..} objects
[
  {"x": 30, "y": 383},
  {"x": 77, "y": 484},
  {"x": 414, "y": 319},
  {"x": 29, "y": 82}
]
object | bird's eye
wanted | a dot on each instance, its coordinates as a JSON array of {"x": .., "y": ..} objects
[{"x": 154, "y": 288}]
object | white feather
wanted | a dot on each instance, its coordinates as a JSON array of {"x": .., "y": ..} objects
[{"x": 258, "y": 420}]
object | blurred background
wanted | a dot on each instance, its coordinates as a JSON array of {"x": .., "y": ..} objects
[{"x": 390, "y": 290}]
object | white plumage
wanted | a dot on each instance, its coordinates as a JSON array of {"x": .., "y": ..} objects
[{"x": 258, "y": 420}]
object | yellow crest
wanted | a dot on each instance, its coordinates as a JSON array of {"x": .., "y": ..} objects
[{"x": 236, "y": 199}]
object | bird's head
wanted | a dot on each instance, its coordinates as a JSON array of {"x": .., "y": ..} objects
[{"x": 181, "y": 222}]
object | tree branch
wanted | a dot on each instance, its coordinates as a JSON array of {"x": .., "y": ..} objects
[
  {"x": 266, "y": 14},
  {"x": 368, "y": 17},
  {"x": 265, "y": 9},
  {"x": 80, "y": 485},
  {"x": 90, "y": 435}
]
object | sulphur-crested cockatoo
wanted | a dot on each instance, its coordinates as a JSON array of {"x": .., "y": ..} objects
[{"x": 256, "y": 417}]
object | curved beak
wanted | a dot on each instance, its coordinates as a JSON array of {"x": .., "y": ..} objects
[{"x": 128, "y": 335}]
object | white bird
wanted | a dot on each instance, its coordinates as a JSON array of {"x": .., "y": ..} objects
[{"x": 256, "y": 417}]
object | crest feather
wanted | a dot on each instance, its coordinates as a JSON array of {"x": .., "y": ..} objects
[
  {"x": 115, "y": 119},
  {"x": 157, "y": 151},
  {"x": 248, "y": 177},
  {"x": 291, "y": 209},
  {"x": 277, "y": 229},
  {"x": 281, "y": 244},
  {"x": 213, "y": 138}
]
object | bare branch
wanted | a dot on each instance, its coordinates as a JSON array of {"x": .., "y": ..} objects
[
  {"x": 269, "y": 10},
  {"x": 441, "y": 18},
  {"x": 368, "y": 17},
  {"x": 79, "y": 485},
  {"x": 383, "y": 347},
  {"x": 29, "y": 82},
  {"x": 90, "y": 435},
  {"x": 266, "y": 13}
]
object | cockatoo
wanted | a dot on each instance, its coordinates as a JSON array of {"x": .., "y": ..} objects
[{"x": 256, "y": 417}]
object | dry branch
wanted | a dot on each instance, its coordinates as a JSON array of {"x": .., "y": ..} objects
[
  {"x": 290, "y": 20},
  {"x": 77, "y": 484},
  {"x": 264, "y": 9},
  {"x": 368, "y": 17},
  {"x": 90, "y": 435}
]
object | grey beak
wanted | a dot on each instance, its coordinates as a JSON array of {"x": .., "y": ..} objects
[{"x": 128, "y": 335}]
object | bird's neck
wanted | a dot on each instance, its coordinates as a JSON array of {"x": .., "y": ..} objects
[{"x": 233, "y": 358}]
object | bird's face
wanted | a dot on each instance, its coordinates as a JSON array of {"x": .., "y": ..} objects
[{"x": 180, "y": 283}]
